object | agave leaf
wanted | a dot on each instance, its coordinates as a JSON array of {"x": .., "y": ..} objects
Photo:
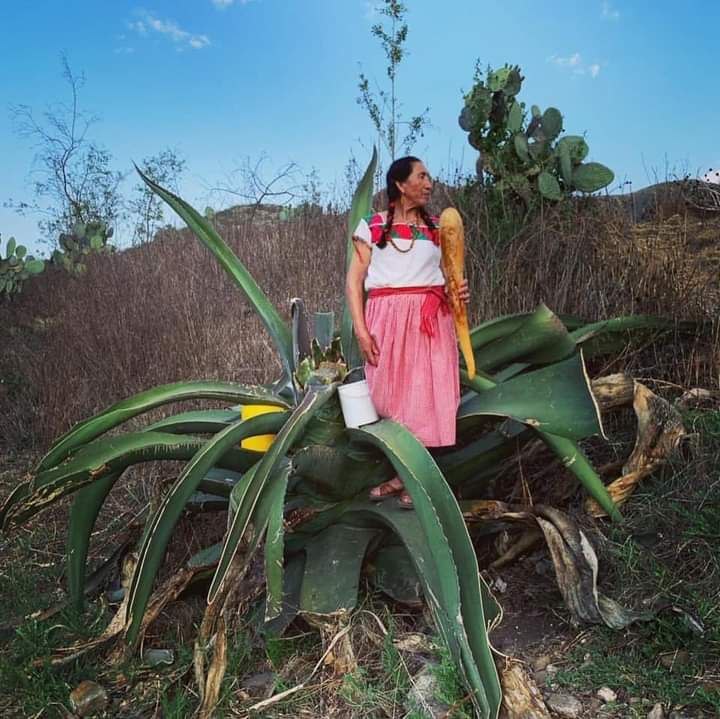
[
  {"x": 204, "y": 421},
  {"x": 574, "y": 460},
  {"x": 83, "y": 514},
  {"x": 120, "y": 412},
  {"x": 206, "y": 233},
  {"x": 488, "y": 450},
  {"x": 496, "y": 327},
  {"x": 109, "y": 456},
  {"x": 599, "y": 338},
  {"x": 300, "y": 334},
  {"x": 556, "y": 398},
  {"x": 18, "y": 496},
  {"x": 392, "y": 571},
  {"x": 541, "y": 338},
  {"x": 322, "y": 516},
  {"x": 292, "y": 584},
  {"x": 564, "y": 447},
  {"x": 332, "y": 569},
  {"x": 220, "y": 481},
  {"x": 264, "y": 473},
  {"x": 456, "y": 592},
  {"x": 479, "y": 383},
  {"x": 275, "y": 547},
  {"x": 90, "y": 497},
  {"x": 169, "y": 511},
  {"x": 324, "y": 326},
  {"x": 332, "y": 473},
  {"x": 361, "y": 204},
  {"x": 206, "y": 502}
]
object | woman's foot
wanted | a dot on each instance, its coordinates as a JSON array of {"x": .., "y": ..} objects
[
  {"x": 405, "y": 501},
  {"x": 386, "y": 489}
]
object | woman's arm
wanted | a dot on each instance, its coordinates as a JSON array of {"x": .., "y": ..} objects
[{"x": 354, "y": 295}]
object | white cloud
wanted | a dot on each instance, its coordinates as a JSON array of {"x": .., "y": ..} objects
[
  {"x": 609, "y": 12},
  {"x": 571, "y": 61},
  {"x": 576, "y": 65},
  {"x": 170, "y": 29}
]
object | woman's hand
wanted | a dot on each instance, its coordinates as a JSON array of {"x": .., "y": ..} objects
[
  {"x": 464, "y": 291},
  {"x": 369, "y": 348}
]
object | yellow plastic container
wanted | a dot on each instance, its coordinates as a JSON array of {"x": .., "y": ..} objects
[{"x": 260, "y": 442}]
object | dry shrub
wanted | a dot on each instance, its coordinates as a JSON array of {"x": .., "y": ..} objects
[
  {"x": 166, "y": 311},
  {"x": 588, "y": 259},
  {"x": 163, "y": 312}
]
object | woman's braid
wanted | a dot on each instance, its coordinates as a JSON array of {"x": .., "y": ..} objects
[{"x": 388, "y": 225}]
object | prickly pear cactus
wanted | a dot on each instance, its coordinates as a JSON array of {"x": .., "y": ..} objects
[
  {"x": 525, "y": 153},
  {"x": 16, "y": 267},
  {"x": 85, "y": 238}
]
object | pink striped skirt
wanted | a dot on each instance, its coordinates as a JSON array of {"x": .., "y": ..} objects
[{"x": 416, "y": 381}]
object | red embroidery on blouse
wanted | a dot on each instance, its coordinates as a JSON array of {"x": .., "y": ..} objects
[{"x": 401, "y": 230}]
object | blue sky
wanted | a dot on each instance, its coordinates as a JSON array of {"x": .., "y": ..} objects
[{"x": 224, "y": 80}]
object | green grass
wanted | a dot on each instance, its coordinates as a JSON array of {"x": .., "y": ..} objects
[
  {"x": 450, "y": 687},
  {"x": 668, "y": 554},
  {"x": 27, "y": 677}
]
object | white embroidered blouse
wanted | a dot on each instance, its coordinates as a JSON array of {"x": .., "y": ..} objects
[{"x": 390, "y": 267}]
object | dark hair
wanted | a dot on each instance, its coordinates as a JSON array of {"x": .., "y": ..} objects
[{"x": 399, "y": 171}]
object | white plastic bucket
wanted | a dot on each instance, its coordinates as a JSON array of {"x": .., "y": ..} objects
[{"x": 357, "y": 407}]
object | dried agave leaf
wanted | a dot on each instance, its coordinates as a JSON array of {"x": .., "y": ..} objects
[
  {"x": 521, "y": 697},
  {"x": 660, "y": 429}
]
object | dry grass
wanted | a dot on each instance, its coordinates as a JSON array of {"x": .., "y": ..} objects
[{"x": 166, "y": 312}]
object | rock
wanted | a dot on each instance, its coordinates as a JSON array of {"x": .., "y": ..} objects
[
  {"x": 657, "y": 712},
  {"x": 594, "y": 706},
  {"x": 678, "y": 715},
  {"x": 564, "y": 705},
  {"x": 88, "y": 699},
  {"x": 421, "y": 699},
  {"x": 540, "y": 677},
  {"x": 157, "y": 657},
  {"x": 541, "y": 662},
  {"x": 499, "y": 585},
  {"x": 259, "y": 685},
  {"x": 414, "y": 643},
  {"x": 551, "y": 669},
  {"x": 606, "y": 694}
]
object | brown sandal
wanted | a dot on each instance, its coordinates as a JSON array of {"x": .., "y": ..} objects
[
  {"x": 405, "y": 501},
  {"x": 387, "y": 489}
]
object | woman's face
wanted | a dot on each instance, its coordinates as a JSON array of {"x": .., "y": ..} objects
[{"x": 416, "y": 189}]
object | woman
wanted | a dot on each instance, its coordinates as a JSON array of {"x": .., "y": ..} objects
[{"x": 406, "y": 333}]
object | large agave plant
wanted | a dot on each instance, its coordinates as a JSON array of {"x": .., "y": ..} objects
[{"x": 531, "y": 383}]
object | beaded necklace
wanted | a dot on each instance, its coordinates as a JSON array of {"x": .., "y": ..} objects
[{"x": 415, "y": 235}]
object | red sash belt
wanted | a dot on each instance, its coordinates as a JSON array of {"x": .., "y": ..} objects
[{"x": 435, "y": 299}]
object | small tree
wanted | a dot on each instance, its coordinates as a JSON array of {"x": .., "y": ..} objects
[
  {"x": 145, "y": 207},
  {"x": 383, "y": 105},
  {"x": 75, "y": 183}
]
